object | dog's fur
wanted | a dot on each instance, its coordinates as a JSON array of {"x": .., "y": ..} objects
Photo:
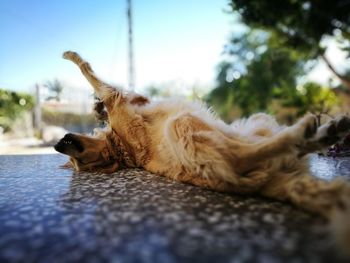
[{"x": 186, "y": 142}]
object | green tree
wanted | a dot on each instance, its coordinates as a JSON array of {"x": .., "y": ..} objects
[
  {"x": 12, "y": 105},
  {"x": 311, "y": 97},
  {"x": 253, "y": 73},
  {"x": 256, "y": 72},
  {"x": 55, "y": 88},
  {"x": 301, "y": 24}
]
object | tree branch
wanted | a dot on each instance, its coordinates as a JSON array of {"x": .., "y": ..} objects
[{"x": 344, "y": 79}]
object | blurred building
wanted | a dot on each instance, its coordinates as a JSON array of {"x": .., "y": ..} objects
[{"x": 65, "y": 106}]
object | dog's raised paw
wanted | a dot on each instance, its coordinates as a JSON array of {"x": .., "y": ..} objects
[
  {"x": 70, "y": 55},
  {"x": 303, "y": 131},
  {"x": 306, "y": 127},
  {"x": 332, "y": 131},
  {"x": 343, "y": 124},
  {"x": 311, "y": 126},
  {"x": 314, "y": 137}
]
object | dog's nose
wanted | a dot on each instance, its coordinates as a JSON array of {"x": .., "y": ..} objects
[
  {"x": 69, "y": 141},
  {"x": 59, "y": 146}
]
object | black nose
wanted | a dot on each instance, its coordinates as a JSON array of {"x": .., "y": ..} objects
[{"x": 69, "y": 141}]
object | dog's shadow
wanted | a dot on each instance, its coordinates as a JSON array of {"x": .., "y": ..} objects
[
  {"x": 88, "y": 190},
  {"x": 136, "y": 191},
  {"x": 135, "y": 206}
]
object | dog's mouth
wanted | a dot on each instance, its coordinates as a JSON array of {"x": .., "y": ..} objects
[{"x": 69, "y": 144}]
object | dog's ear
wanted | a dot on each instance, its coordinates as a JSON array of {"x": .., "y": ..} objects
[
  {"x": 139, "y": 100},
  {"x": 100, "y": 111}
]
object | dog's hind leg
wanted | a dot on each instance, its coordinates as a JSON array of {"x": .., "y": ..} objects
[
  {"x": 205, "y": 156},
  {"x": 303, "y": 137},
  {"x": 327, "y": 134},
  {"x": 251, "y": 155}
]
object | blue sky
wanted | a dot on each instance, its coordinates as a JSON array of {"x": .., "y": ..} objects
[{"x": 177, "y": 41}]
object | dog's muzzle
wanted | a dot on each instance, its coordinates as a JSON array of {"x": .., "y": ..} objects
[{"x": 69, "y": 142}]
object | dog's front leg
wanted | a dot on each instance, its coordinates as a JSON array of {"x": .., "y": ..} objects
[
  {"x": 122, "y": 117},
  {"x": 109, "y": 96},
  {"x": 102, "y": 89}
]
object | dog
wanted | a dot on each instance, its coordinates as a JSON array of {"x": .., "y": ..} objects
[{"x": 185, "y": 141}]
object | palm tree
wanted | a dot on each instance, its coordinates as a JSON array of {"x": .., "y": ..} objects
[{"x": 55, "y": 88}]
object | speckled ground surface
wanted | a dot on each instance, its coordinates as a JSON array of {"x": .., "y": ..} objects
[{"x": 49, "y": 214}]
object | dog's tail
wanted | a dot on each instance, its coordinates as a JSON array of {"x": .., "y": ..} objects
[
  {"x": 340, "y": 222},
  {"x": 101, "y": 88},
  {"x": 329, "y": 199}
]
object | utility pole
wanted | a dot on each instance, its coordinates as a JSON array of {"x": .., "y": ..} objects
[
  {"x": 130, "y": 47},
  {"x": 37, "y": 110}
]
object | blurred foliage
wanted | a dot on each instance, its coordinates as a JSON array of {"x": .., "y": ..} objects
[
  {"x": 155, "y": 91},
  {"x": 176, "y": 89},
  {"x": 311, "y": 97},
  {"x": 55, "y": 89},
  {"x": 268, "y": 62},
  {"x": 13, "y": 105},
  {"x": 301, "y": 24},
  {"x": 255, "y": 71}
]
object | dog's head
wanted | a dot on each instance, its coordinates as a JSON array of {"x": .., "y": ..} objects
[{"x": 104, "y": 154}]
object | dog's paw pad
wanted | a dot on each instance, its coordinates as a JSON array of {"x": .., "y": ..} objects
[
  {"x": 329, "y": 140},
  {"x": 310, "y": 129},
  {"x": 310, "y": 126},
  {"x": 332, "y": 129},
  {"x": 343, "y": 124}
]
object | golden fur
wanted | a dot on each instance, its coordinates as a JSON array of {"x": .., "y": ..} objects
[{"x": 186, "y": 142}]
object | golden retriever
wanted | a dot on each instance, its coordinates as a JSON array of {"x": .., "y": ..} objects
[{"x": 186, "y": 142}]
